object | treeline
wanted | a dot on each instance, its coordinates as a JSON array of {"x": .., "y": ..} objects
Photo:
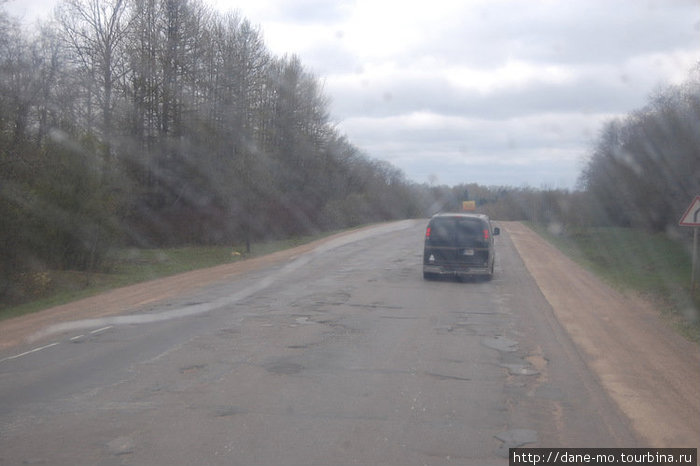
[
  {"x": 645, "y": 169},
  {"x": 162, "y": 122}
]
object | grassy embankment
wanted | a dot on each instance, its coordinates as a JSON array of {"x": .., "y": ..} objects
[
  {"x": 128, "y": 266},
  {"x": 654, "y": 266}
]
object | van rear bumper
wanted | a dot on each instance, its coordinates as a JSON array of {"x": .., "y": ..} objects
[{"x": 455, "y": 271}]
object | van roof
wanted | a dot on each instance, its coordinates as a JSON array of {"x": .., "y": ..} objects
[{"x": 461, "y": 214}]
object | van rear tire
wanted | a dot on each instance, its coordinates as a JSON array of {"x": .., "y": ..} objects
[{"x": 489, "y": 277}]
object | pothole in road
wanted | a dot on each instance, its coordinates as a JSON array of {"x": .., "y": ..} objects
[
  {"x": 227, "y": 411},
  {"x": 540, "y": 363},
  {"x": 192, "y": 369},
  {"x": 520, "y": 369},
  {"x": 121, "y": 446},
  {"x": 500, "y": 343},
  {"x": 284, "y": 368},
  {"x": 448, "y": 377},
  {"x": 229, "y": 332},
  {"x": 548, "y": 392},
  {"x": 513, "y": 439},
  {"x": 517, "y": 365},
  {"x": 304, "y": 320}
]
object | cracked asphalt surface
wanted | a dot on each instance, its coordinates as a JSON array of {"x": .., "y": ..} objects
[{"x": 339, "y": 352}]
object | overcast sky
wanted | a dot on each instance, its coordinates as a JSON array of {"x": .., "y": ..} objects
[{"x": 496, "y": 92}]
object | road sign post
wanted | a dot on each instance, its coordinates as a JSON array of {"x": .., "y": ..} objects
[
  {"x": 691, "y": 218},
  {"x": 693, "y": 274}
]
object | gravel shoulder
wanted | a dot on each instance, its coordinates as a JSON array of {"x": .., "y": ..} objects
[{"x": 650, "y": 371}]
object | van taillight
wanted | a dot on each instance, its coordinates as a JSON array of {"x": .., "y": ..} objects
[
  {"x": 486, "y": 234},
  {"x": 427, "y": 233}
]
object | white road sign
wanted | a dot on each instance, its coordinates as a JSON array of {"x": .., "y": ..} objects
[{"x": 691, "y": 218}]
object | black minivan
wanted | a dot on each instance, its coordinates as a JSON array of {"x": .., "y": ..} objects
[{"x": 459, "y": 244}]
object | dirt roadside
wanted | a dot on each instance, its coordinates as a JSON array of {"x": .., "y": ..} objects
[{"x": 652, "y": 373}]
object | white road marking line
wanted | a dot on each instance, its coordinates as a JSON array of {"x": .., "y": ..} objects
[
  {"x": 35, "y": 350},
  {"x": 94, "y": 332},
  {"x": 29, "y": 352}
]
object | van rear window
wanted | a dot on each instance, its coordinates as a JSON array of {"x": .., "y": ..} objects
[{"x": 455, "y": 231}]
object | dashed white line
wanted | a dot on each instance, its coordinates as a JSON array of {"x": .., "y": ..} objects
[
  {"x": 35, "y": 350},
  {"x": 29, "y": 352}
]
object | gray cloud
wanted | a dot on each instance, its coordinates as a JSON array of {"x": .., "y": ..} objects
[
  {"x": 439, "y": 96},
  {"x": 310, "y": 11}
]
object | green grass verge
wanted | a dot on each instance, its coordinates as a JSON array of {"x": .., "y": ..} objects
[
  {"x": 652, "y": 265},
  {"x": 46, "y": 289}
]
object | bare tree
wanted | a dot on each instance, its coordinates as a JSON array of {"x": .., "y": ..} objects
[{"x": 95, "y": 32}]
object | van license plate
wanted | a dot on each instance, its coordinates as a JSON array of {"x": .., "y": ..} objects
[{"x": 468, "y": 252}]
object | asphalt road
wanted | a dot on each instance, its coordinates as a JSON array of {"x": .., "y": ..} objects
[{"x": 342, "y": 355}]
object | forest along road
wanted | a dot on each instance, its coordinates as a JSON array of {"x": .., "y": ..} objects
[{"x": 340, "y": 353}]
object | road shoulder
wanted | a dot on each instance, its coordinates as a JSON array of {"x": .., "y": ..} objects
[{"x": 651, "y": 372}]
